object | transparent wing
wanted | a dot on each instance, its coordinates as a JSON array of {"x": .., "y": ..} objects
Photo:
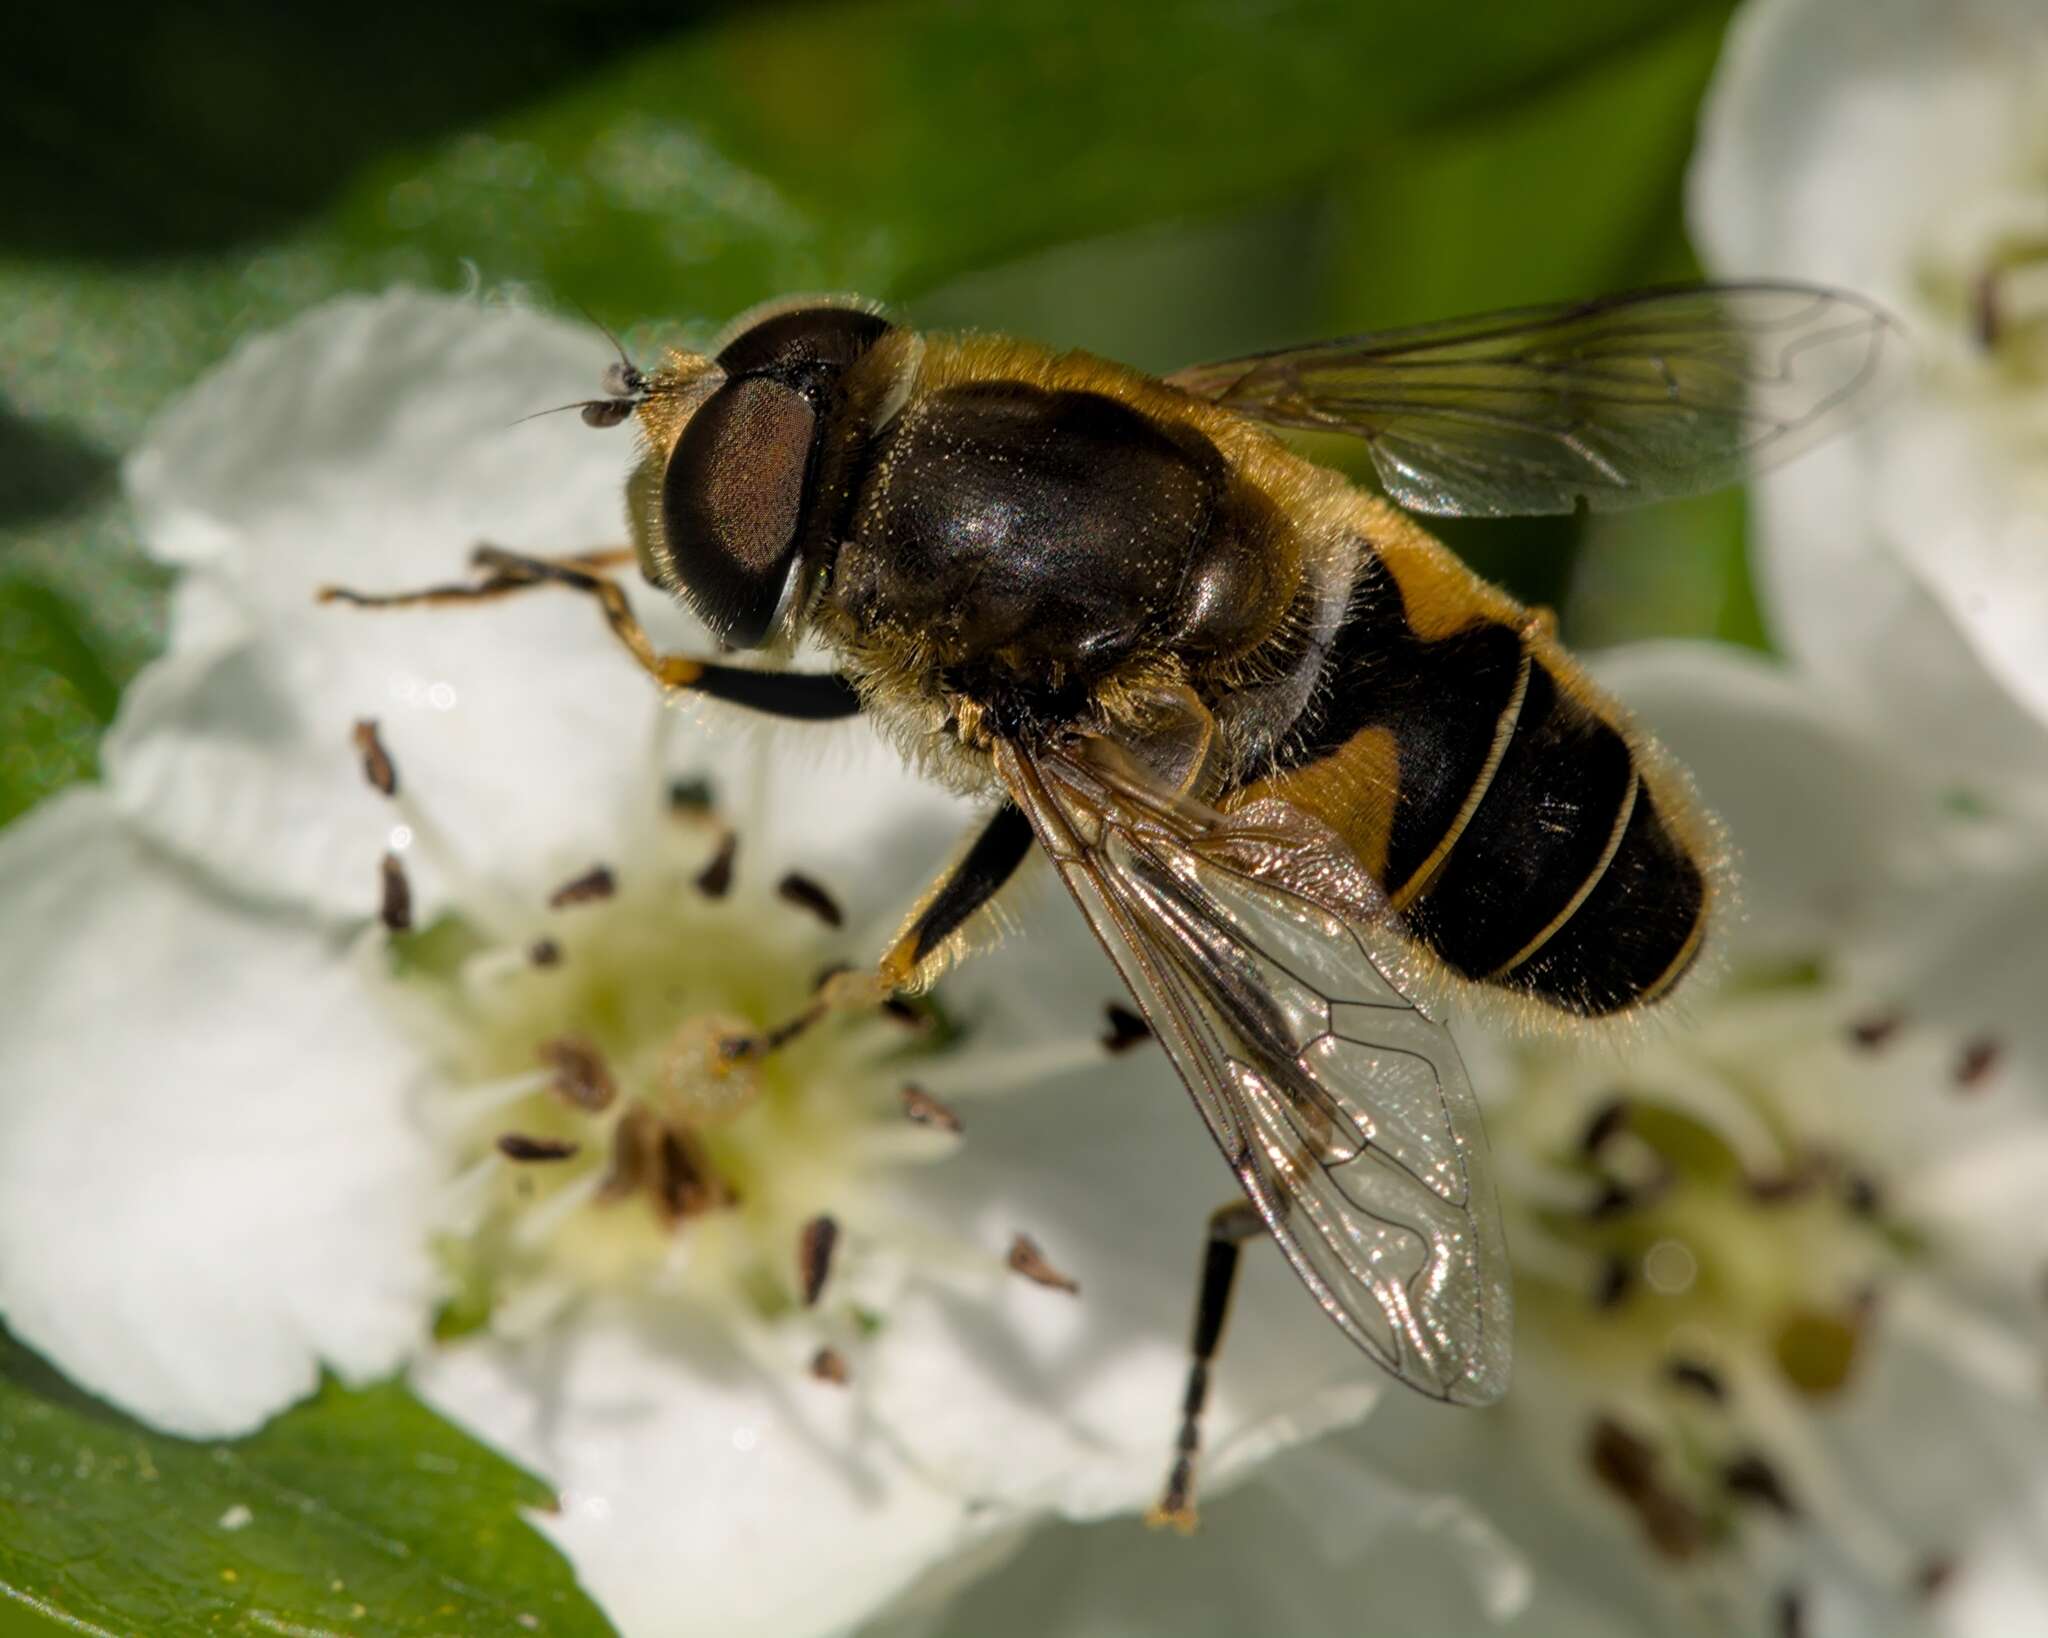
[
  {"x": 1614, "y": 402},
  {"x": 1257, "y": 948}
]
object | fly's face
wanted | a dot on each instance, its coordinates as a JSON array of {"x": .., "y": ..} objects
[{"x": 740, "y": 489}]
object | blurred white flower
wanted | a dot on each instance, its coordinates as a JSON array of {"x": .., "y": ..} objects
[
  {"x": 1899, "y": 148},
  {"x": 1777, "y": 1271},
  {"x": 248, "y": 1133}
]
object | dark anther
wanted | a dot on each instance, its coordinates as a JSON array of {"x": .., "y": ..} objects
[
  {"x": 394, "y": 907},
  {"x": 714, "y": 881},
  {"x": 595, "y": 883},
  {"x": 581, "y": 1078},
  {"x": 926, "y": 1110},
  {"x": 814, "y": 1248},
  {"x": 806, "y": 894},
  {"x": 1627, "y": 1465},
  {"x": 544, "y": 952},
  {"x": 1126, "y": 1029},
  {"x": 1624, "y": 1463},
  {"x": 829, "y": 1365},
  {"x": 1933, "y": 1575},
  {"x": 1791, "y": 1614},
  {"x": 691, "y": 797},
  {"x": 1752, "y": 1478},
  {"x": 1701, "y": 1379},
  {"x": 1611, "y": 1285},
  {"x": 1606, "y": 1122},
  {"x": 378, "y": 768},
  {"x": 1610, "y": 1200},
  {"x": 1789, "y": 1186},
  {"x": 1978, "y": 1061},
  {"x": 1861, "y": 1195},
  {"x": 1025, "y": 1258},
  {"x": 900, "y": 1010},
  {"x": 1986, "y": 315},
  {"x": 1872, "y": 1033},
  {"x": 519, "y": 1146},
  {"x": 684, "y": 1183}
]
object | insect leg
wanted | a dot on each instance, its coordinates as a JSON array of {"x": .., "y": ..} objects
[
  {"x": 990, "y": 860},
  {"x": 988, "y": 863},
  {"x": 1229, "y": 1227},
  {"x": 807, "y": 696}
]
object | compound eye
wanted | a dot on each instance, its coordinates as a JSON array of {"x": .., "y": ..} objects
[{"x": 732, "y": 503}]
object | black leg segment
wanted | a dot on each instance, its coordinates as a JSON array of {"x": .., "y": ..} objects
[
  {"x": 1229, "y": 1227},
  {"x": 988, "y": 864}
]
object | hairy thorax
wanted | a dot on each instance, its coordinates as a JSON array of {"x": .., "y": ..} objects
[{"x": 1043, "y": 541}]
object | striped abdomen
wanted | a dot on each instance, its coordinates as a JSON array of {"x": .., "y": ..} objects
[{"x": 1483, "y": 780}]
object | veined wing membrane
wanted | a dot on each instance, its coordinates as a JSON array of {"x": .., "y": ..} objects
[
  {"x": 1255, "y": 946},
  {"x": 1614, "y": 402}
]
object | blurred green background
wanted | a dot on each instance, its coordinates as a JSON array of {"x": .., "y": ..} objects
[{"x": 1157, "y": 183}]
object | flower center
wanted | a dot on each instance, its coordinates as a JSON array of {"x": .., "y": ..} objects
[
  {"x": 1703, "y": 1258},
  {"x": 642, "y": 1089}
]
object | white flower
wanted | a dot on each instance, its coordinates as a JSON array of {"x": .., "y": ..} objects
[
  {"x": 1899, "y": 148},
  {"x": 248, "y": 1133},
  {"x": 1777, "y": 1281}
]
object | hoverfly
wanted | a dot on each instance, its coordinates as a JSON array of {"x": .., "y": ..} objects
[{"x": 1298, "y": 766}]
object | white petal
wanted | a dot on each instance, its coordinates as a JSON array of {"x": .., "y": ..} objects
[
  {"x": 1845, "y": 606},
  {"x": 369, "y": 445},
  {"x": 1813, "y": 811},
  {"x": 209, "y": 1185},
  {"x": 1969, "y": 514},
  {"x": 373, "y": 441},
  {"x": 1317, "y": 1543},
  {"x": 1033, "y": 1399},
  {"x": 702, "y": 1490},
  {"x": 1835, "y": 130}
]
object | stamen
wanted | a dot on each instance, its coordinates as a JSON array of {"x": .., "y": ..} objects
[
  {"x": 1627, "y": 1466},
  {"x": 580, "y": 1077},
  {"x": 1979, "y": 1060},
  {"x": 684, "y": 1184},
  {"x": 806, "y": 894},
  {"x": 829, "y": 1365},
  {"x": 1025, "y": 1258},
  {"x": 814, "y": 1248},
  {"x": 1753, "y": 1478},
  {"x": 465, "y": 1107},
  {"x": 378, "y": 767},
  {"x": 988, "y": 1073},
  {"x": 544, "y": 952},
  {"x": 1872, "y": 1033},
  {"x": 394, "y": 907},
  {"x": 533, "y": 1228},
  {"x": 1701, "y": 1379},
  {"x": 926, "y": 1110},
  {"x": 714, "y": 881},
  {"x": 690, "y": 798},
  {"x": 522, "y": 1147},
  {"x": 1605, "y": 1123},
  {"x": 1933, "y": 1576},
  {"x": 595, "y": 883},
  {"x": 1791, "y": 1613},
  {"x": 1126, "y": 1029}
]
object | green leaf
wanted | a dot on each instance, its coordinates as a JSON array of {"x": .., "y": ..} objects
[
  {"x": 357, "y": 1513},
  {"x": 1566, "y": 193},
  {"x": 885, "y": 145},
  {"x": 55, "y": 695}
]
